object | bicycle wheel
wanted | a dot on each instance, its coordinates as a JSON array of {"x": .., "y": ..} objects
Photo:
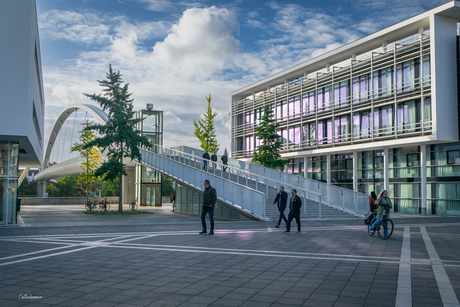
[
  {"x": 107, "y": 206},
  {"x": 385, "y": 229},
  {"x": 88, "y": 206},
  {"x": 135, "y": 207}
]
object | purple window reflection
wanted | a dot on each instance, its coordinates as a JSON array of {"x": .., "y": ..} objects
[
  {"x": 297, "y": 106},
  {"x": 320, "y": 133},
  {"x": 344, "y": 126},
  {"x": 356, "y": 126},
  {"x": 329, "y": 132},
  {"x": 285, "y": 109},
  {"x": 364, "y": 125},
  {"x": 320, "y": 100},
  {"x": 337, "y": 129}
]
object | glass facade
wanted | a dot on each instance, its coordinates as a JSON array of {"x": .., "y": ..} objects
[
  {"x": 148, "y": 181},
  {"x": 9, "y": 154}
]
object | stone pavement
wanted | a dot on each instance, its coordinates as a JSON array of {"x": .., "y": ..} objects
[{"x": 61, "y": 257}]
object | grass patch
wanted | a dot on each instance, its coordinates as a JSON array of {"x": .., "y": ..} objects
[{"x": 116, "y": 212}]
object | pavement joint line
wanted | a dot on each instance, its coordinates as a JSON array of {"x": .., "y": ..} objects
[
  {"x": 335, "y": 258},
  {"x": 258, "y": 251},
  {"x": 404, "y": 289},
  {"x": 94, "y": 244},
  {"x": 446, "y": 291}
]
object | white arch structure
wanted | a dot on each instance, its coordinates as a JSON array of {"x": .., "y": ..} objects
[{"x": 99, "y": 115}]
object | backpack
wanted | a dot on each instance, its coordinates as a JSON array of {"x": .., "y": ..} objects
[{"x": 368, "y": 218}]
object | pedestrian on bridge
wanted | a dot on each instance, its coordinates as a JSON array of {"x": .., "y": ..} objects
[
  {"x": 205, "y": 160},
  {"x": 209, "y": 201},
  {"x": 224, "y": 160},
  {"x": 214, "y": 159},
  {"x": 294, "y": 212},
  {"x": 281, "y": 201}
]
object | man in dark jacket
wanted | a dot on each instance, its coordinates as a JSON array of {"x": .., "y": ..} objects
[
  {"x": 209, "y": 201},
  {"x": 281, "y": 200},
  {"x": 205, "y": 160},
  {"x": 294, "y": 212},
  {"x": 214, "y": 159},
  {"x": 224, "y": 160}
]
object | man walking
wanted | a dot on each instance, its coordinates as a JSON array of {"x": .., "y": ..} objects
[
  {"x": 205, "y": 160},
  {"x": 224, "y": 160},
  {"x": 209, "y": 200},
  {"x": 214, "y": 159},
  {"x": 294, "y": 212},
  {"x": 281, "y": 200}
]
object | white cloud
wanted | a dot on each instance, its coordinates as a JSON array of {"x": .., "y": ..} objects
[{"x": 200, "y": 43}]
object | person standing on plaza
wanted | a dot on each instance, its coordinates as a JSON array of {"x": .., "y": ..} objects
[
  {"x": 281, "y": 201},
  {"x": 214, "y": 159},
  {"x": 173, "y": 201},
  {"x": 224, "y": 160},
  {"x": 209, "y": 201},
  {"x": 294, "y": 212},
  {"x": 383, "y": 201},
  {"x": 205, "y": 160}
]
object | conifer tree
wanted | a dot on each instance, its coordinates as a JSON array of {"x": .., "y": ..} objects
[
  {"x": 119, "y": 136},
  {"x": 91, "y": 156},
  {"x": 267, "y": 154},
  {"x": 205, "y": 130}
]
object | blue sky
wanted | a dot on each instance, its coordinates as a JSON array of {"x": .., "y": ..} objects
[{"x": 173, "y": 53}]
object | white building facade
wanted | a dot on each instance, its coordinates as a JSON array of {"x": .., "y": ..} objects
[
  {"x": 21, "y": 100},
  {"x": 379, "y": 112}
]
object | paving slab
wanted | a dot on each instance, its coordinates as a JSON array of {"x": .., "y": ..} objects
[{"x": 69, "y": 259}]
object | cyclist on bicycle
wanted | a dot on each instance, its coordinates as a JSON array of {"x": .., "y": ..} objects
[{"x": 384, "y": 202}]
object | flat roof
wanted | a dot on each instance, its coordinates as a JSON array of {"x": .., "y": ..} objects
[{"x": 372, "y": 41}]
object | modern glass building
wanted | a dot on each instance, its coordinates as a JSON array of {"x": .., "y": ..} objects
[
  {"x": 22, "y": 101},
  {"x": 379, "y": 112}
]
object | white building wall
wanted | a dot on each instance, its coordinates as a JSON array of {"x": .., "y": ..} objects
[
  {"x": 19, "y": 84},
  {"x": 444, "y": 101}
]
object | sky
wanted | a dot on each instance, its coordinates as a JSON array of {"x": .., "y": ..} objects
[{"x": 174, "y": 53}]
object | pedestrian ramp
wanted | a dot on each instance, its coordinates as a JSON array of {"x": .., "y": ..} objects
[{"x": 315, "y": 205}]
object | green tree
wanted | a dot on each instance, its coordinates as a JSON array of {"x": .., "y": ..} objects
[
  {"x": 66, "y": 186},
  {"x": 119, "y": 136},
  {"x": 166, "y": 186},
  {"x": 91, "y": 156},
  {"x": 267, "y": 154},
  {"x": 205, "y": 130}
]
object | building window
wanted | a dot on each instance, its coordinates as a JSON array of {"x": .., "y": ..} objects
[
  {"x": 453, "y": 157},
  {"x": 309, "y": 103},
  {"x": 36, "y": 124},
  {"x": 341, "y": 90}
]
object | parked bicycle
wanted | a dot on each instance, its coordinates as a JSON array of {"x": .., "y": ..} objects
[
  {"x": 384, "y": 228},
  {"x": 91, "y": 205},
  {"x": 104, "y": 205},
  {"x": 133, "y": 205}
]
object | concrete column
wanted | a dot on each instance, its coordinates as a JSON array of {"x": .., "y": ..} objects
[
  {"x": 328, "y": 196},
  {"x": 423, "y": 176},
  {"x": 386, "y": 180},
  {"x": 305, "y": 164},
  {"x": 355, "y": 171},
  {"x": 41, "y": 188}
]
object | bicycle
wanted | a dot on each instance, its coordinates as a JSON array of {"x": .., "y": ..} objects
[
  {"x": 104, "y": 205},
  {"x": 385, "y": 225},
  {"x": 133, "y": 205},
  {"x": 91, "y": 205}
]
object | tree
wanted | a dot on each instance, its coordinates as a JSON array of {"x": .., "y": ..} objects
[
  {"x": 205, "y": 130},
  {"x": 119, "y": 136},
  {"x": 267, "y": 154},
  {"x": 91, "y": 157},
  {"x": 65, "y": 187},
  {"x": 166, "y": 186}
]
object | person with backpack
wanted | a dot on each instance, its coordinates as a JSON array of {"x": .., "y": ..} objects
[
  {"x": 372, "y": 200},
  {"x": 214, "y": 159},
  {"x": 294, "y": 212},
  {"x": 224, "y": 160},
  {"x": 206, "y": 157}
]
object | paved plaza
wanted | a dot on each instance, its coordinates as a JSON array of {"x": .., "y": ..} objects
[{"x": 60, "y": 257}]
